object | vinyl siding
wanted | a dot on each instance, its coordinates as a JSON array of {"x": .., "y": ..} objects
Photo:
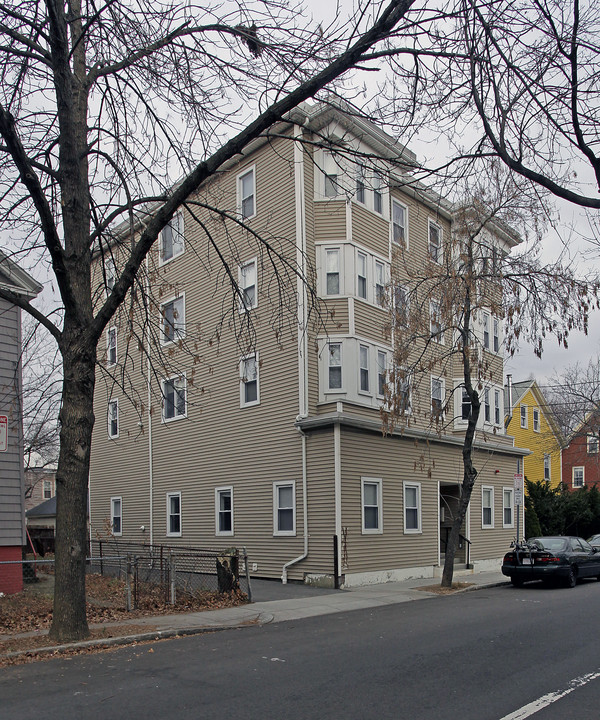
[{"x": 12, "y": 512}]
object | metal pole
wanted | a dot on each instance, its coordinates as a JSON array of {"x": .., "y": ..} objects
[
  {"x": 247, "y": 575},
  {"x": 172, "y": 573},
  {"x": 336, "y": 564}
]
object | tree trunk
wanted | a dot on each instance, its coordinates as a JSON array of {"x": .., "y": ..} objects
[{"x": 69, "y": 620}]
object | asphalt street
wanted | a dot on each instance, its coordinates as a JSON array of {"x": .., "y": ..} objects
[{"x": 495, "y": 654}]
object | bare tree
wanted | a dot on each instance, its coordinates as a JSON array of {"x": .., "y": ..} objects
[
  {"x": 574, "y": 395},
  {"x": 515, "y": 80},
  {"x": 437, "y": 311},
  {"x": 100, "y": 108}
]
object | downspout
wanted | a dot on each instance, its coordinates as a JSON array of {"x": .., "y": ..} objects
[
  {"x": 149, "y": 406},
  {"x": 302, "y": 331}
]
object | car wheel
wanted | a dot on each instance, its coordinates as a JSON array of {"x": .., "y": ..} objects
[
  {"x": 516, "y": 581},
  {"x": 571, "y": 580}
]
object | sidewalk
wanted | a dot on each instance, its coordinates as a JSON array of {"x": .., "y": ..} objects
[{"x": 294, "y": 602}]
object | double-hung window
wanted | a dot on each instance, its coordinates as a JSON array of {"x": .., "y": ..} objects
[
  {"x": 174, "y": 391},
  {"x": 48, "y": 489},
  {"x": 592, "y": 444},
  {"x": 497, "y": 407},
  {"x": 379, "y": 283},
  {"x": 402, "y": 389},
  {"x": 224, "y": 510},
  {"x": 172, "y": 238},
  {"x": 486, "y": 405},
  {"x": 249, "y": 389},
  {"x": 284, "y": 508},
  {"x": 412, "y": 507},
  {"x": 330, "y": 175},
  {"x": 372, "y": 517},
  {"x": 172, "y": 320},
  {"x": 486, "y": 331},
  {"x": 496, "y": 338},
  {"x": 364, "y": 368},
  {"x": 435, "y": 313},
  {"x": 536, "y": 420},
  {"x": 334, "y": 366},
  {"x": 332, "y": 261},
  {"x": 437, "y": 398},
  {"x": 247, "y": 286},
  {"x": 435, "y": 242},
  {"x": 113, "y": 419},
  {"x": 381, "y": 372},
  {"x": 360, "y": 184},
  {"x": 487, "y": 507},
  {"x": 111, "y": 346},
  {"x": 361, "y": 275},
  {"x": 398, "y": 223},
  {"x": 377, "y": 193},
  {"x": 507, "y": 507},
  {"x": 247, "y": 194},
  {"x": 174, "y": 514},
  {"x": 578, "y": 477},
  {"x": 523, "y": 416},
  {"x": 110, "y": 275},
  {"x": 465, "y": 406},
  {"x": 116, "y": 515},
  {"x": 546, "y": 466}
]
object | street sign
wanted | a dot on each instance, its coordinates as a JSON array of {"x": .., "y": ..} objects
[
  {"x": 519, "y": 489},
  {"x": 3, "y": 433}
]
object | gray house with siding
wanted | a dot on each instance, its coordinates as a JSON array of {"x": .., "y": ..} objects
[
  {"x": 254, "y": 419},
  {"x": 12, "y": 488}
]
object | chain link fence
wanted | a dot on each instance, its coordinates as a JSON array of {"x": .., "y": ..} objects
[
  {"x": 171, "y": 571},
  {"x": 157, "y": 574}
]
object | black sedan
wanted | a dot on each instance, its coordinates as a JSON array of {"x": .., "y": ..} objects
[{"x": 548, "y": 559}]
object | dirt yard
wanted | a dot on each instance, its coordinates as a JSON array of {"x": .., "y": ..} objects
[{"x": 31, "y": 610}]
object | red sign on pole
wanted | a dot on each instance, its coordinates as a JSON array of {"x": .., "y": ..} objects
[{"x": 3, "y": 433}]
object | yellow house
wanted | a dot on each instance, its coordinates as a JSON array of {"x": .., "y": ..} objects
[{"x": 533, "y": 425}]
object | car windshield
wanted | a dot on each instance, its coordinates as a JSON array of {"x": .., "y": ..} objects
[{"x": 555, "y": 544}]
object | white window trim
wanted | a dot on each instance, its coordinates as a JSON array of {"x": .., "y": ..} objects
[
  {"x": 242, "y": 305},
  {"x": 113, "y": 515},
  {"x": 110, "y": 330},
  {"x": 512, "y": 507},
  {"x": 394, "y": 390},
  {"x": 435, "y": 308},
  {"x": 276, "y": 531},
  {"x": 326, "y": 386},
  {"x": 443, "y": 398},
  {"x": 536, "y": 411},
  {"x": 110, "y": 272},
  {"x": 592, "y": 439},
  {"x": 181, "y": 229},
  {"x": 175, "y": 418},
  {"x": 339, "y": 249},
  {"x": 169, "y": 533},
  {"x": 405, "y": 208},
  {"x": 243, "y": 359},
  {"x": 525, "y": 424},
  {"x": 496, "y": 326},
  {"x": 386, "y": 373},
  {"x": 431, "y": 222},
  {"x": 371, "y": 481},
  {"x": 383, "y": 284},
  {"x": 368, "y": 391},
  {"x": 419, "y": 529},
  {"x": 486, "y": 320},
  {"x": 548, "y": 458},
  {"x": 238, "y": 184},
  {"x": 178, "y": 332},
  {"x": 491, "y": 489},
  {"x": 361, "y": 253},
  {"x": 578, "y": 467},
  {"x": 113, "y": 402},
  {"x": 218, "y": 491}
]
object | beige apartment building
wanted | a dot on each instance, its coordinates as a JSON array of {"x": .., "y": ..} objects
[{"x": 254, "y": 420}]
